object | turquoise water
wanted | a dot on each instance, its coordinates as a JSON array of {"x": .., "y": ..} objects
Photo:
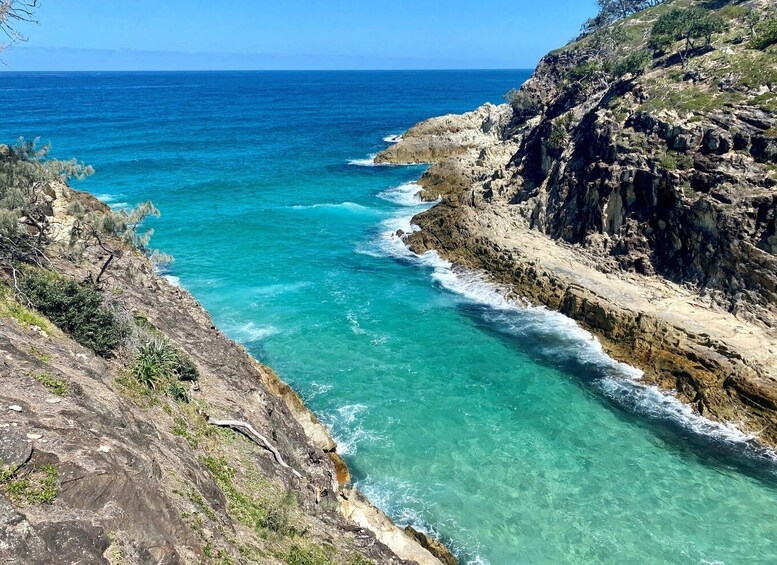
[{"x": 503, "y": 430}]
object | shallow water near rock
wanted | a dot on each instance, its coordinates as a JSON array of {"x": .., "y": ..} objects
[{"x": 503, "y": 429}]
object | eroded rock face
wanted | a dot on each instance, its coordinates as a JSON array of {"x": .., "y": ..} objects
[
  {"x": 140, "y": 478},
  {"x": 448, "y": 136}
]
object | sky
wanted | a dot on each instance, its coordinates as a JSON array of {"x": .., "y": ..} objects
[{"x": 294, "y": 34}]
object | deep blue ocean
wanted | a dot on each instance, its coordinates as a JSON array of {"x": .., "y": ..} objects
[{"x": 502, "y": 429}]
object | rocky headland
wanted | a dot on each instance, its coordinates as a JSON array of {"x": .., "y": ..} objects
[
  {"x": 634, "y": 189},
  {"x": 222, "y": 464}
]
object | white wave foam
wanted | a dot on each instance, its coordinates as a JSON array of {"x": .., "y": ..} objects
[
  {"x": 354, "y": 323},
  {"x": 566, "y": 339},
  {"x": 317, "y": 389},
  {"x": 368, "y": 162},
  {"x": 173, "y": 280},
  {"x": 653, "y": 402},
  {"x": 338, "y": 206},
  {"x": 620, "y": 381},
  {"x": 392, "y": 138},
  {"x": 345, "y": 426},
  {"x": 407, "y": 194},
  {"x": 249, "y": 332},
  {"x": 400, "y": 499},
  {"x": 105, "y": 198},
  {"x": 407, "y": 505}
]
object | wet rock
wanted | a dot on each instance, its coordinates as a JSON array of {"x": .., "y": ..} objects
[{"x": 434, "y": 546}]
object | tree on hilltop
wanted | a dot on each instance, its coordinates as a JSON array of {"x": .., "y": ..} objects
[
  {"x": 613, "y": 10},
  {"x": 688, "y": 25}
]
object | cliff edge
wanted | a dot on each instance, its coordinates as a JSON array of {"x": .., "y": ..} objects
[
  {"x": 631, "y": 184},
  {"x": 168, "y": 445}
]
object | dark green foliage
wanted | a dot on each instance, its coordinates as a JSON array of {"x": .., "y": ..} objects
[
  {"x": 525, "y": 104},
  {"x": 78, "y": 309},
  {"x": 766, "y": 35},
  {"x": 688, "y": 25},
  {"x": 160, "y": 365},
  {"x": 300, "y": 556},
  {"x": 613, "y": 10},
  {"x": 633, "y": 64},
  {"x": 559, "y": 133}
]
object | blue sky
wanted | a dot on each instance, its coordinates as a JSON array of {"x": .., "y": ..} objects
[{"x": 300, "y": 34}]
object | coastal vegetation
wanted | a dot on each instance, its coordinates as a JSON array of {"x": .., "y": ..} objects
[
  {"x": 32, "y": 485},
  {"x": 764, "y": 34},
  {"x": 686, "y": 25},
  {"x": 26, "y": 174},
  {"x": 79, "y": 309}
]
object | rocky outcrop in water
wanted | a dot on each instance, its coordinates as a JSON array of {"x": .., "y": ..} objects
[{"x": 642, "y": 205}]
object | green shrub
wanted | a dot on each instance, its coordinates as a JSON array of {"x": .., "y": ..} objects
[
  {"x": 159, "y": 364},
  {"x": 300, "y": 556},
  {"x": 78, "y": 309},
  {"x": 53, "y": 384},
  {"x": 279, "y": 512},
  {"x": 688, "y": 25},
  {"x": 559, "y": 132},
  {"x": 525, "y": 104},
  {"x": 633, "y": 64},
  {"x": 766, "y": 35},
  {"x": 36, "y": 486}
]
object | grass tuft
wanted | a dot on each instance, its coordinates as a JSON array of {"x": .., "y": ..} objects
[
  {"x": 36, "y": 486},
  {"x": 56, "y": 386}
]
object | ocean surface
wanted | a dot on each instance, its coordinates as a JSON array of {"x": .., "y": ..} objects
[{"x": 502, "y": 429}]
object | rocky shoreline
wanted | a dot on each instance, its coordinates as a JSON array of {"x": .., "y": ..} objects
[
  {"x": 141, "y": 477},
  {"x": 720, "y": 360}
]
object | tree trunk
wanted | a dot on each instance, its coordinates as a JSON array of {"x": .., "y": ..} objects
[{"x": 105, "y": 266}]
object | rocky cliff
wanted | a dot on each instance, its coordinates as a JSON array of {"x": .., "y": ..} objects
[
  {"x": 97, "y": 468},
  {"x": 635, "y": 190}
]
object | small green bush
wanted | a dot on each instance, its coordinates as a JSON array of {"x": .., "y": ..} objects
[
  {"x": 300, "y": 556},
  {"x": 37, "y": 486},
  {"x": 53, "y": 384},
  {"x": 765, "y": 36},
  {"x": 559, "y": 133},
  {"x": 159, "y": 364},
  {"x": 688, "y": 25},
  {"x": 584, "y": 71},
  {"x": 525, "y": 104},
  {"x": 633, "y": 64},
  {"x": 78, "y": 309}
]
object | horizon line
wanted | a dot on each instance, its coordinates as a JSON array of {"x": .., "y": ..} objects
[{"x": 444, "y": 69}]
